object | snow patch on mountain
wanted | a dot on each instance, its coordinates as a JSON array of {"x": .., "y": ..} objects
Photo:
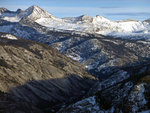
[
  {"x": 35, "y": 13},
  {"x": 9, "y": 36},
  {"x": 89, "y": 105},
  {"x": 12, "y": 19},
  {"x": 98, "y": 25},
  {"x": 116, "y": 78},
  {"x": 75, "y": 57}
]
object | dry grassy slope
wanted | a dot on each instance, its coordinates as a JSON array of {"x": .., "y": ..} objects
[{"x": 35, "y": 72}]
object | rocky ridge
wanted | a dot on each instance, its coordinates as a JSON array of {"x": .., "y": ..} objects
[{"x": 39, "y": 75}]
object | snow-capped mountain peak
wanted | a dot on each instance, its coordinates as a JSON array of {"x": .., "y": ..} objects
[
  {"x": 84, "y": 19},
  {"x": 3, "y": 10},
  {"x": 35, "y": 12},
  {"x": 83, "y": 23},
  {"x": 99, "y": 18}
]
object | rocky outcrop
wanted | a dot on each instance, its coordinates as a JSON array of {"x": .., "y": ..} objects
[{"x": 2, "y": 10}]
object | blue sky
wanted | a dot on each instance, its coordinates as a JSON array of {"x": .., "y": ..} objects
[{"x": 111, "y": 9}]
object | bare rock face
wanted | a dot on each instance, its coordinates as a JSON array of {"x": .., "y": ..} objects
[
  {"x": 84, "y": 19},
  {"x": 39, "y": 74},
  {"x": 3, "y": 10},
  {"x": 148, "y": 20}
]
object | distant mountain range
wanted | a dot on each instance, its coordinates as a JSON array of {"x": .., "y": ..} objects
[
  {"x": 116, "y": 53},
  {"x": 84, "y": 23}
]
